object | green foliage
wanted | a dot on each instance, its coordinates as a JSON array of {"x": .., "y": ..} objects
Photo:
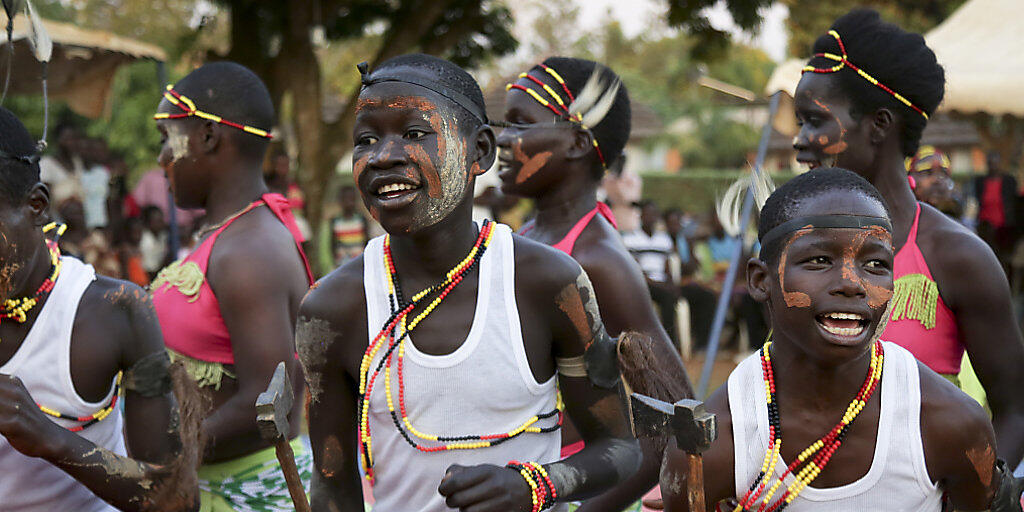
[
  {"x": 689, "y": 15},
  {"x": 128, "y": 129},
  {"x": 694, "y": 191},
  {"x": 718, "y": 142},
  {"x": 809, "y": 19}
]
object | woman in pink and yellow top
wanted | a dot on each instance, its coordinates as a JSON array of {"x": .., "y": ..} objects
[
  {"x": 557, "y": 155},
  {"x": 862, "y": 103},
  {"x": 228, "y": 309}
]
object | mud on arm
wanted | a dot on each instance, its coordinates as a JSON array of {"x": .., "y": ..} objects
[
  {"x": 593, "y": 401},
  {"x": 331, "y": 410}
]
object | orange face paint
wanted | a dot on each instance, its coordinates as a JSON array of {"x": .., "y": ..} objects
[
  {"x": 420, "y": 157},
  {"x": 877, "y": 296},
  {"x": 793, "y": 299},
  {"x": 529, "y": 164}
]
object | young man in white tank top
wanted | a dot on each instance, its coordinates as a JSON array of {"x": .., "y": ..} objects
[
  {"x": 480, "y": 366},
  {"x": 70, "y": 342},
  {"x": 902, "y": 436}
]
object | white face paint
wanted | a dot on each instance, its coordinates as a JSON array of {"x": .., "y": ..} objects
[
  {"x": 452, "y": 174},
  {"x": 177, "y": 139}
]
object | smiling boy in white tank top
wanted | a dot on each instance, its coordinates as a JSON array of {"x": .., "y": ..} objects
[
  {"x": 438, "y": 417},
  {"x": 866, "y": 427}
]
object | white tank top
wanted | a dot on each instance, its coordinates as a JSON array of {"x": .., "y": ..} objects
[
  {"x": 898, "y": 478},
  {"x": 484, "y": 387},
  {"x": 43, "y": 363}
]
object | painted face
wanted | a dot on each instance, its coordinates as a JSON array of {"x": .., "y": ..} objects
[
  {"x": 532, "y": 153},
  {"x": 830, "y": 287},
  {"x": 409, "y": 159},
  {"x": 830, "y": 135},
  {"x": 178, "y": 158},
  {"x": 932, "y": 186},
  {"x": 19, "y": 236}
]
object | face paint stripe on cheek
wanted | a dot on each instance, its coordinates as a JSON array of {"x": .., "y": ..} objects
[
  {"x": 420, "y": 157},
  {"x": 529, "y": 165},
  {"x": 793, "y": 299},
  {"x": 358, "y": 167}
]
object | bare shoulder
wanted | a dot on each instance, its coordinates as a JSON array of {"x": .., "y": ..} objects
[
  {"x": 338, "y": 296},
  {"x": 263, "y": 244},
  {"x": 950, "y": 249},
  {"x": 952, "y": 425},
  {"x": 541, "y": 267},
  {"x": 607, "y": 261},
  {"x": 111, "y": 308}
]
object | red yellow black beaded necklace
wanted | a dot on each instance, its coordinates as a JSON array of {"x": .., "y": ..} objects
[
  {"x": 824, "y": 447},
  {"x": 398, "y": 320}
]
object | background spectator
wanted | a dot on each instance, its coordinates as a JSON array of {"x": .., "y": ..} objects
[
  {"x": 651, "y": 247},
  {"x": 62, "y": 170},
  {"x": 996, "y": 193}
]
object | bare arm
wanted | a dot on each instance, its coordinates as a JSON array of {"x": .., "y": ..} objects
[
  {"x": 126, "y": 483},
  {"x": 254, "y": 285},
  {"x": 625, "y": 305},
  {"x": 333, "y": 391},
  {"x": 976, "y": 289},
  {"x": 959, "y": 443}
]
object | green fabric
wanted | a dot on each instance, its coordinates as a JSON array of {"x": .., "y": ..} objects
[
  {"x": 970, "y": 384},
  {"x": 915, "y": 297},
  {"x": 253, "y": 483},
  {"x": 205, "y": 373}
]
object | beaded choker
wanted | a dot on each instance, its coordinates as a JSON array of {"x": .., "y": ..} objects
[
  {"x": 396, "y": 330},
  {"x": 844, "y": 62},
  {"x": 17, "y": 309},
  {"x": 824, "y": 447}
]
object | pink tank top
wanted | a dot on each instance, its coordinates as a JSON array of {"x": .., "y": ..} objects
[
  {"x": 188, "y": 310},
  {"x": 567, "y": 244},
  {"x": 920, "y": 321}
]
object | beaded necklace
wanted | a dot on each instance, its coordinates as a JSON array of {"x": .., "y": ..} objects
[
  {"x": 824, "y": 447},
  {"x": 87, "y": 421},
  {"x": 17, "y": 309},
  {"x": 398, "y": 320}
]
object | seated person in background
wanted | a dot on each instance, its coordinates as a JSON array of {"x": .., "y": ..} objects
[
  {"x": 907, "y": 437},
  {"x": 651, "y": 247},
  {"x": 350, "y": 228}
]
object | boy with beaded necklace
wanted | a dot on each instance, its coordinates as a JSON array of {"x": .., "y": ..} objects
[
  {"x": 438, "y": 418},
  {"x": 908, "y": 435},
  {"x": 71, "y": 344}
]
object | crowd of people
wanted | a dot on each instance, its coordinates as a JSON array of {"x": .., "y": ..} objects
[{"x": 511, "y": 396}]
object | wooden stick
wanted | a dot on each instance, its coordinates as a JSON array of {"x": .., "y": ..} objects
[
  {"x": 695, "y": 482},
  {"x": 291, "y": 475}
]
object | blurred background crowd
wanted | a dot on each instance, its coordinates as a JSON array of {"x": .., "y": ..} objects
[{"x": 699, "y": 80}]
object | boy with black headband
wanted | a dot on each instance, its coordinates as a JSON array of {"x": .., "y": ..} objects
[
  {"x": 72, "y": 344},
  {"x": 866, "y": 426},
  {"x": 863, "y": 101},
  {"x": 228, "y": 309},
  {"x": 462, "y": 413}
]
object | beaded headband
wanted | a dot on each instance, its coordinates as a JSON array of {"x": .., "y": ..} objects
[
  {"x": 920, "y": 161},
  {"x": 844, "y": 61},
  {"x": 460, "y": 99},
  {"x": 189, "y": 109},
  {"x": 597, "y": 102},
  {"x": 824, "y": 222}
]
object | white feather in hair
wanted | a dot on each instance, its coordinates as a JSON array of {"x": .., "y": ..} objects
[
  {"x": 595, "y": 100},
  {"x": 729, "y": 207}
]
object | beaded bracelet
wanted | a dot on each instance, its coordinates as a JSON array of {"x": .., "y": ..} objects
[{"x": 542, "y": 490}]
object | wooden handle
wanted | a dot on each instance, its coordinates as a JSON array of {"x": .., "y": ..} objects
[
  {"x": 291, "y": 475},
  {"x": 695, "y": 482}
]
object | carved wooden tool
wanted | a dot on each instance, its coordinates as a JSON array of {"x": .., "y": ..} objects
[
  {"x": 272, "y": 408},
  {"x": 693, "y": 428}
]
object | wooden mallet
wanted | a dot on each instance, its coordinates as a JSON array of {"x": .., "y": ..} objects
[
  {"x": 693, "y": 428},
  {"x": 272, "y": 408}
]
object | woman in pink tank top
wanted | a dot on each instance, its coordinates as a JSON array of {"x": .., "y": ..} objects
[
  {"x": 950, "y": 292},
  {"x": 228, "y": 310},
  {"x": 547, "y": 157}
]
